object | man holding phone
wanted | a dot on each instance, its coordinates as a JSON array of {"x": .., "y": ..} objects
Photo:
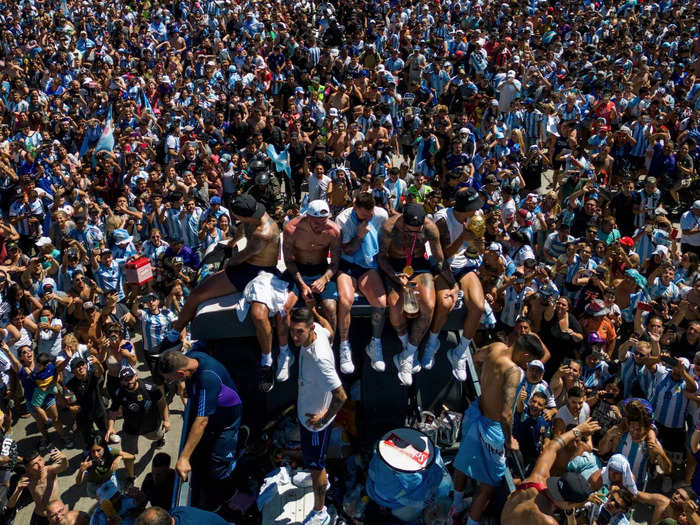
[
  {"x": 690, "y": 227},
  {"x": 672, "y": 381}
]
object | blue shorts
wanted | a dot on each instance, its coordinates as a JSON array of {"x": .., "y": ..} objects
[
  {"x": 330, "y": 292},
  {"x": 482, "y": 452},
  {"x": 314, "y": 446},
  {"x": 223, "y": 454},
  {"x": 353, "y": 270}
]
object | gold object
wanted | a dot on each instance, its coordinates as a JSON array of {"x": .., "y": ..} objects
[
  {"x": 408, "y": 270},
  {"x": 477, "y": 225}
]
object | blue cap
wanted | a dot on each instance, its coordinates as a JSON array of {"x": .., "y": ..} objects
[{"x": 215, "y": 200}]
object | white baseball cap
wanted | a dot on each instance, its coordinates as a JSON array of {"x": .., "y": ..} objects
[{"x": 318, "y": 208}]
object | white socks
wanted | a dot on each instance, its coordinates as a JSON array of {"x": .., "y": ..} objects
[
  {"x": 404, "y": 339},
  {"x": 432, "y": 337},
  {"x": 266, "y": 360},
  {"x": 284, "y": 350},
  {"x": 410, "y": 351}
]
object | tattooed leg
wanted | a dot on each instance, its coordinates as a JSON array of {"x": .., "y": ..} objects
[
  {"x": 426, "y": 302},
  {"x": 319, "y": 479},
  {"x": 396, "y": 317},
  {"x": 329, "y": 312}
]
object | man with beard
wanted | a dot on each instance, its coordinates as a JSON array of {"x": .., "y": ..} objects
[
  {"x": 461, "y": 248},
  {"x": 59, "y": 514},
  {"x": 306, "y": 242},
  {"x": 402, "y": 251}
]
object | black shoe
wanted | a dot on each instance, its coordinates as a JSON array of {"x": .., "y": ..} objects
[
  {"x": 266, "y": 380},
  {"x": 160, "y": 443},
  {"x": 128, "y": 483}
]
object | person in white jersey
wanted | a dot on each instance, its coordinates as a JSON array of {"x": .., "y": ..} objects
[
  {"x": 320, "y": 397},
  {"x": 461, "y": 247}
]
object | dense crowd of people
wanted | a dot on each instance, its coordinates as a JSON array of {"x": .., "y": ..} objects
[{"x": 531, "y": 166}]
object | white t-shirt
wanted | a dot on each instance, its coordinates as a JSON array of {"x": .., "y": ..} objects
[
  {"x": 317, "y": 377},
  {"x": 565, "y": 415},
  {"x": 83, "y": 352}
]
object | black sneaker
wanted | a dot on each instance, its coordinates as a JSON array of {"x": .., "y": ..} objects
[
  {"x": 266, "y": 379},
  {"x": 160, "y": 443},
  {"x": 128, "y": 483}
]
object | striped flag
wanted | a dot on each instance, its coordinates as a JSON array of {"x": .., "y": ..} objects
[
  {"x": 106, "y": 140},
  {"x": 280, "y": 160}
]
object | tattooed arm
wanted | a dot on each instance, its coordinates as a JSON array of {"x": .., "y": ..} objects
[
  {"x": 383, "y": 256},
  {"x": 434, "y": 239},
  {"x": 337, "y": 402},
  {"x": 511, "y": 381},
  {"x": 450, "y": 248}
]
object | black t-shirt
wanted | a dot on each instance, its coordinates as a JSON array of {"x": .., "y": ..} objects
[
  {"x": 139, "y": 408},
  {"x": 87, "y": 395},
  {"x": 681, "y": 347},
  {"x": 624, "y": 214}
]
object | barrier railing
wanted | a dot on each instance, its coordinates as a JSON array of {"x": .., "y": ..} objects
[{"x": 182, "y": 491}]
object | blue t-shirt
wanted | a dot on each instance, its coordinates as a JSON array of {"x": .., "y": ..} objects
[
  {"x": 214, "y": 393},
  {"x": 195, "y": 516}
]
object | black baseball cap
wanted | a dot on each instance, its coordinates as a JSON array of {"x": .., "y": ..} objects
[
  {"x": 413, "y": 214},
  {"x": 571, "y": 487},
  {"x": 246, "y": 206},
  {"x": 126, "y": 373},
  {"x": 467, "y": 199},
  {"x": 77, "y": 362}
]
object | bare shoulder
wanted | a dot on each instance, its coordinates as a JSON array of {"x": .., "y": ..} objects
[
  {"x": 267, "y": 230},
  {"x": 332, "y": 229},
  {"x": 390, "y": 223}
]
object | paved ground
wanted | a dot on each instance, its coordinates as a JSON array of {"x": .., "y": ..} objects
[{"x": 26, "y": 433}]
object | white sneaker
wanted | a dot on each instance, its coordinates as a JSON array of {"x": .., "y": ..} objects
[
  {"x": 416, "y": 364},
  {"x": 318, "y": 517},
  {"x": 284, "y": 361},
  {"x": 429, "y": 352},
  {"x": 459, "y": 365},
  {"x": 405, "y": 368},
  {"x": 346, "y": 364},
  {"x": 374, "y": 351}
]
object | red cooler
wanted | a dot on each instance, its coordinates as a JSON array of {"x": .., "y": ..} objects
[{"x": 138, "y": 271}]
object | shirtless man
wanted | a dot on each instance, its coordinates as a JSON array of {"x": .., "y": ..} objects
[
  {"x": 306, "y": 242},
  {"x": 539, "y": 496},
  {"x": 339, "y": 141},
  {"x": 487, "y": 429},
  {"x": 457, "y": 241},
  {"x": 360, "y": 226},
  {"x": 401, "y": 258},
  {"x": 259, "y": 255},
  {"x": 59, "y": 514},
  {"x": 42, "y": 482},
  {"x": 680, "y": 504}
]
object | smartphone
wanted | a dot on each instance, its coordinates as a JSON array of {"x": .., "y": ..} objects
[
  {"x": 645, "y": 307},
  {"x": 669, "y": 360},
  {"x": 674, "y": 234},
  {"x": 43, "y": 320}
]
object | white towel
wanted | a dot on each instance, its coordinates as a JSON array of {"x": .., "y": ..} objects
[
  {"x": 270, "y": 487},
  {"x": 267, "y": 289},
  {"x": 619, "y": 463}
]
